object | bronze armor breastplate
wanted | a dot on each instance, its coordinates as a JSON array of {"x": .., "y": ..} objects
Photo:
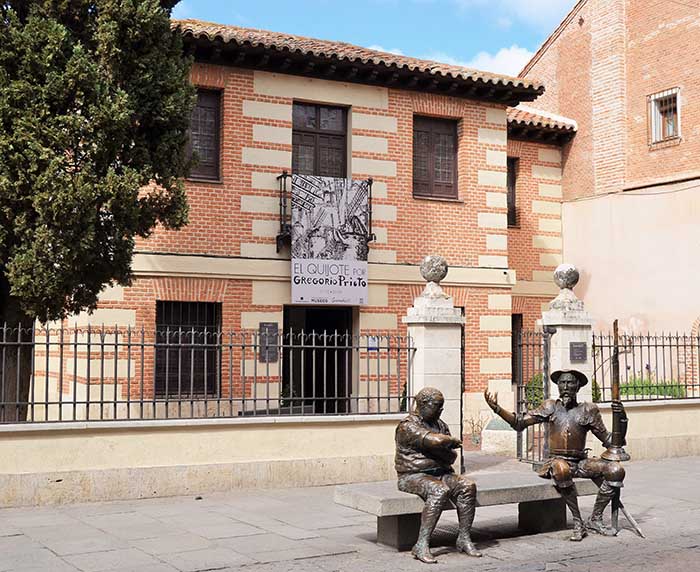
[{"x": 567, "y": 432}]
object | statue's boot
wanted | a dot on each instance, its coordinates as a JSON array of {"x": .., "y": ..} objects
[
  {"x": 466, "y": 507},
  {"x": 570, "y": 497},
  {"x": 428, "y": 522},
  {"x": 595, "y": 521}
]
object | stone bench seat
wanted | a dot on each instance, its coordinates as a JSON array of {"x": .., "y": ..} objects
[{"x": 540, "y": 507}]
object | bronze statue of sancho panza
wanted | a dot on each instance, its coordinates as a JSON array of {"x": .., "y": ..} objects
[
  {"x": 425, "y": 453},
  {"x": 569, "y": 423}
]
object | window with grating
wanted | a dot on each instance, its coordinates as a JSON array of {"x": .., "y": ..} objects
[
  {"x": 511, "y": 198},
  {"x": 205, "y": 128},
  {"x": 434, "y": 158},
  {"x": 188, "y": 349},
  {"x": 319, "y": 140},
  {"x": 664, "y": 116}
]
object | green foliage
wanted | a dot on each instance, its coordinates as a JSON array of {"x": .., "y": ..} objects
[
  {"x": 94, "y": 110},
  {"x": 646, "y": 387},
  {"x": 595, "y": 390},
  {"x": 534, "y": 391}
]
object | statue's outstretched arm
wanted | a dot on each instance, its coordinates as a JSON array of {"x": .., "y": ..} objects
[{"x": 517, "y": 422}]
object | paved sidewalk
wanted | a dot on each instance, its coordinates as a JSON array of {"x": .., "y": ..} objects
[{"x": 290, "y": 530}]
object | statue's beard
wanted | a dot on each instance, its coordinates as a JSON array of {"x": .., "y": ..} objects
[{"x": 568, "y": 400}]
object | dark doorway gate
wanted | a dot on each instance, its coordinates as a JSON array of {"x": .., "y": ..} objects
[{"x": 318, "y": 356}]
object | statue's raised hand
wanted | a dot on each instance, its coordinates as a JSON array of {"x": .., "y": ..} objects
[{"x": 492, "y": 400}]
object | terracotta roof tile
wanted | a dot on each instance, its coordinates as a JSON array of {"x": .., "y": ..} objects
[
  {"x": 524, "y": 115},
  {"x": 324, "y": 48}
]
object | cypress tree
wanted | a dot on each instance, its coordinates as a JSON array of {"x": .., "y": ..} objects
[{"x": 94, "y": 109}]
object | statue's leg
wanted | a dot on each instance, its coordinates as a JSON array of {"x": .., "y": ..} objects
[
  {"x": 435, "y": 493},
  {"x": 463, "y": 493},
  {"x": 608, "y": 475},
  {"x": 562, "y": 474}
]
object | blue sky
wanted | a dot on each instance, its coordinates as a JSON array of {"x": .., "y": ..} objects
[{"x": 492, "y": 35}]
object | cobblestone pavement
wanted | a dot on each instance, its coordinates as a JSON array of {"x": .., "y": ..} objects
[{"x": 295, "y": 530}]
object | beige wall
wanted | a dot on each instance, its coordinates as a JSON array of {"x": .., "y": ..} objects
[
  {"x": 637, "y": 253},
  {"x": 82, "y": 462}
]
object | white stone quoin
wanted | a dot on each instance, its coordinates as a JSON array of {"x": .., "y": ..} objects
[
  {"x": 573, "y": 324},
  {"x": 436, "y": 328}
]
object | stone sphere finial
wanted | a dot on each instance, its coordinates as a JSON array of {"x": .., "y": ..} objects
[
  {"x": 566, "y": 276},
  {"x": 433, "y": 268}
]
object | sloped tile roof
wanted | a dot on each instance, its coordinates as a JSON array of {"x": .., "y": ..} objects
[
  {"x": 529, "y": 116},
  {"x": 340, "y": 50}
]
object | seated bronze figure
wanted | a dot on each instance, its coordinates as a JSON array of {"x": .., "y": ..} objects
[
  {"x": 569, "y": 423},
  {"x": 425, "y": 452}
]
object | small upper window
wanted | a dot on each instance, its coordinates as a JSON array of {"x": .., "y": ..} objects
[
  {"x": 664, "y": 116},
  {"x": 512, "y": 178},
  {"x": 205, "y": 127},
  {"x": 434, "y": 158},
  {"x": 319, "y": 140}
]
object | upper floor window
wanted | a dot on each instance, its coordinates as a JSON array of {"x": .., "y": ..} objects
[
  {"x": 434, "y": 158},
  {"x": 205, "y": 129},
  {"x": 512, "y": 178},
  {"x": 664, "y": 116},
  {"x": 319, "y": 140}
]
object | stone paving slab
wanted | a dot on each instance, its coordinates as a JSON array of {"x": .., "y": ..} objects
[{"x": 302, "y": 530}]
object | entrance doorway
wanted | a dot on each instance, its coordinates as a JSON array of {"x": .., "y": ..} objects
[{"x": 317, "y": 358}]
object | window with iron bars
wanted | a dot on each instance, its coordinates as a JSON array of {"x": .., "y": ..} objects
[
  {"x": 188, "y": 349},
  {"x": 664, "y": 116}
]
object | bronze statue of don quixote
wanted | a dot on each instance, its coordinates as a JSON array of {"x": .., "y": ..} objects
[{"x": 426, "y": 454}]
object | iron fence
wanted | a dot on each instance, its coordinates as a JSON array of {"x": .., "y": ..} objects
[
  {"x": 101, "y": 374},
  {"x": 530, "y": 391},
  {"x": 652, "y": 367}
]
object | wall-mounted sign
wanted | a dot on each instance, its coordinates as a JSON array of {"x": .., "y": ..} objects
[
  {"x": 330, "y": 217},
  {"x": 578, "y": 352},
  {"x": 268, "y": 335}
]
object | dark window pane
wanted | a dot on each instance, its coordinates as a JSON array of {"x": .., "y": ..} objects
[
  {"x": 444, "y": 158},
  {"x": 188, "y": 352},
  {"x": 304, "y": 154},
  {"x": 204, "y": 134},
  {"x": 512, "y": 177},
  {"x": 421, "y": 156},
  {"x": 332, "y": 119},
  {"x": 314, "y": 150},
  {"x": 331, "y": 156},
  {"x": 434, "y": 157},
  {"x": 304, "y": 116}
]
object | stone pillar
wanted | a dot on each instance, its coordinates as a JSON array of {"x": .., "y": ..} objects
[
  {"x": 572, "y": 344},
  {"x": 436, "y": 328}
]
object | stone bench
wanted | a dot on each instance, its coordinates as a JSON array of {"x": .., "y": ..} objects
[{"x": 540, "y": 508}]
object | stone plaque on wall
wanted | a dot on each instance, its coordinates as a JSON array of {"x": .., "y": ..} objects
[
  {"x": 578, "y": 352},
  {"x": 268, "y": 333}
]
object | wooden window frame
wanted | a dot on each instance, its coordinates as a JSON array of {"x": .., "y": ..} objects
[
  {"x": 339, "y": 135},
  {"x": 434, "y": 125},
  {"x": 656, "y": 125},
  {"x": 199, "y": 172},
  {"x": 513, "y": 164}
]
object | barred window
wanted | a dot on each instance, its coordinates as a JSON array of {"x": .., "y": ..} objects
[
  {"x": 434, "y": 158},
  {"x": 511, "y": 199},
  {"x": 188, "y": 348},
  {"x": 319, "y": 140},
  {"x": 664, "y": 116},
  {"x": 205, "y": 127}
]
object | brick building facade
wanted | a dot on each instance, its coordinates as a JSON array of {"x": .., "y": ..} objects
[
  {"x": 228, "y": 254},
  {"x": 623, "y": 70}
]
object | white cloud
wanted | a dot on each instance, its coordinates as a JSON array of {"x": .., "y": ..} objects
[
  {"x": 395, "y": 51},
  {"x": 541, "y": 14},
  {"x": 508, "y": 61}
]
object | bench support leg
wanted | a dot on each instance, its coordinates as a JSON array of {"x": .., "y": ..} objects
[
  {"x": 400, "y": 532},
  {"x": 542, "y": 516}
]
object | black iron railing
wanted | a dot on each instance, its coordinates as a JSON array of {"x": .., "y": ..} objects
[
  {"x": 652, "y": 367},
  {"x": 49, "y": 375}
]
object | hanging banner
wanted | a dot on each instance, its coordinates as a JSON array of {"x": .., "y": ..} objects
[{"x": 330, "y": 217}]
